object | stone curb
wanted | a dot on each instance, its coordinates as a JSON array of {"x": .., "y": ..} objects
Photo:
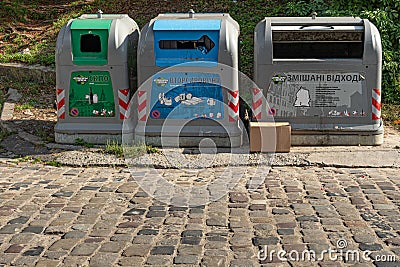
[
  {"x": 21, "y": 72},
  {"x": 7, "y": 115}
]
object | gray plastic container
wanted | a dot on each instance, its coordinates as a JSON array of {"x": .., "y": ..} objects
[
  {"x": 199, "y": 99},
  {"x": 323, "y": 75},
  {"x": 95, "y": 77}
]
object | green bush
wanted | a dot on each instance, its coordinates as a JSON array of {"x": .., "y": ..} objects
[
  {"x": 384, "y": 14},
  {"x": 387, "y": 22}
]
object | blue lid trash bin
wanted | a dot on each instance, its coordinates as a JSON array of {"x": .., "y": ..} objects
[{"x": 183, "y": 95}]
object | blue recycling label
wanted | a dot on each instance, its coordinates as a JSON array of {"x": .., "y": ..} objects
[{"x": 187, "y": 95}]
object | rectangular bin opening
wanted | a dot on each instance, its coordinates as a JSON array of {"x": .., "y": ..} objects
[
  {"x": 203, "y": 42},
  {"x": 325, "y": 43},
  {"x": 318, "y": 50},
  {"x": 90, "y": 43}
]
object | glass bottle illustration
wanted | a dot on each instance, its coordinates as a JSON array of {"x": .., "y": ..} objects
[
  {"x": 90, "y": 96},
  {"x": 102, "y": 95}
]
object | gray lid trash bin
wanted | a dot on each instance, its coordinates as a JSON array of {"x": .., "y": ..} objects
[
  {"x": 323, "y": 75},
  {"x": 95, "y": 77},
  {"x": 184, "y": 95}
]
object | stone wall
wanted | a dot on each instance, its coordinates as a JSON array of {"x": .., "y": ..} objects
[{"x": 34, "y": 73}]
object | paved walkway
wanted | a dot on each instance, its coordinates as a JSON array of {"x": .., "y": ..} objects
[{"x": 100, "y": 217}]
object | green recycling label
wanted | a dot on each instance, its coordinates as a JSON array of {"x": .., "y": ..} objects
[{"x": 91, "y": 94}]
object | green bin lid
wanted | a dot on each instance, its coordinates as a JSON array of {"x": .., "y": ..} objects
[{"x": 89, "y": 24}]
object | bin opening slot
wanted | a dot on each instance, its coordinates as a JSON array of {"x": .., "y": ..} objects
[
  {"x": 90, "y": 43},
  {"x": 317, "y": 50},
  {"x": 181, "y": 46},
  {"x": 317, "y": 44},
  {"x": 203, "y": 43}
]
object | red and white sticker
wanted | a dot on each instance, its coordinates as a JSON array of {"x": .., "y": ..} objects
[
  {"x": 124, "y": 101},
  {"x": 60, "y": 103},
  {"x": 376, "y": 104},
  {"x": 257, "y": 103},
  {"x": 233, "y": 105},
  {"x": 142, "y": 105}
]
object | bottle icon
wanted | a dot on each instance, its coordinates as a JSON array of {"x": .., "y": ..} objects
[
  {"x": 102, "y": 95},
  {"x": 90, "y": 96}
]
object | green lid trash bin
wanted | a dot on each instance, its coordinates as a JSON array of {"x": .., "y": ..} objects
[{"x": 95, "y": 77}]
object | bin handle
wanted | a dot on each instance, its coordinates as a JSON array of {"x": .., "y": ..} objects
[{"x": 316, "y": 27}]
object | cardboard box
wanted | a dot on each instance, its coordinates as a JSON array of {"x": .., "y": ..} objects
[{"x": 264, "y": 134}]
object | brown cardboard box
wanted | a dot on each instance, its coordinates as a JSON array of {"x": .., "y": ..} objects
[{"x": 263, "y": 135}]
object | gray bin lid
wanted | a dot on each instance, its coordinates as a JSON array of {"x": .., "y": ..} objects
[{"x": 331, "y": 21}]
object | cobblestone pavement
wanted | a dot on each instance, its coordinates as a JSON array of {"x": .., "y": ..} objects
[{"x": 100, "y": 217}]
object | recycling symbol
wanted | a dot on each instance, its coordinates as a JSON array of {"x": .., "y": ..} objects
[
  {"x": 279, "y": 79},
  {"x": 80, "y": 79}
]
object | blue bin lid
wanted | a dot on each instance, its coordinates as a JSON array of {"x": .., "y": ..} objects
[{"x": 187, "y": 25}]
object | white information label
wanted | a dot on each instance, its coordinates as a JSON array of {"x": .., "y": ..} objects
[{"x": 293, "y": 94}]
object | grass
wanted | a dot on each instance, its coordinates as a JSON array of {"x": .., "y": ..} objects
[
  {"x": 391, "y": 114},
  {"x": 34, "y": 44},
  {"x": 114, "y": 148},
  {"x": 24, "y": 106},
  {"x": 31, "y": 102},
  {"x": 38, "y": 160},
  {"x": 152, "y": 149},
  {"x": 42, "y": 53},
  {"x": 134, "y": 150},
  {"x": 53, "y": 163},
  {"x": 24, "y": 159}
]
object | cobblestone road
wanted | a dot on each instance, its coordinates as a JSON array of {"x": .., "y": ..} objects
[{"x": 100, "y": 217}]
